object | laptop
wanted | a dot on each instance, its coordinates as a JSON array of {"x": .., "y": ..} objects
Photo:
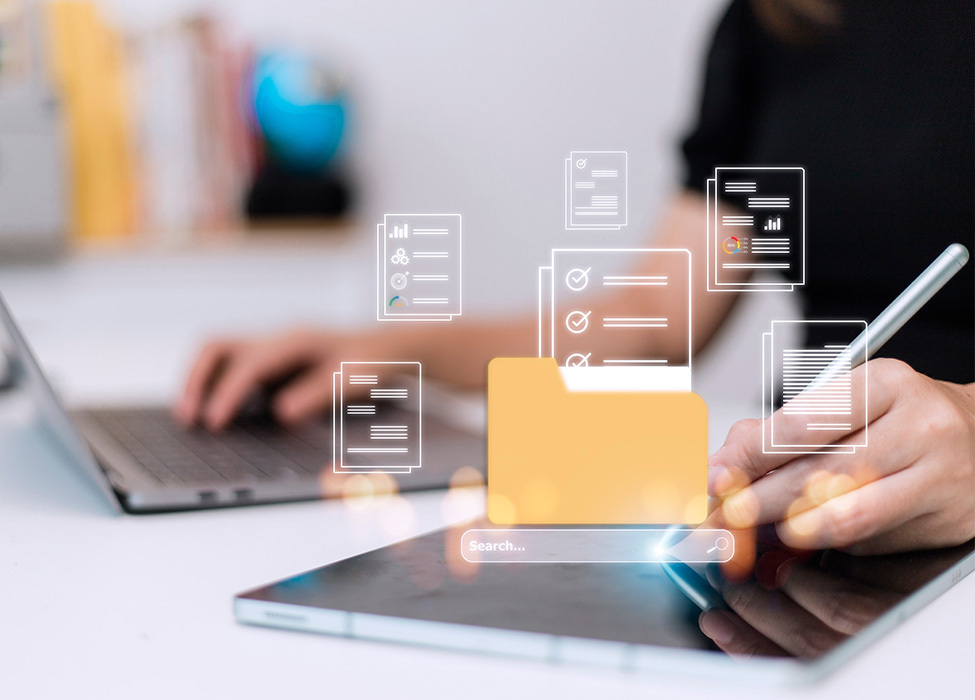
[{"x": 145, "y": 462}]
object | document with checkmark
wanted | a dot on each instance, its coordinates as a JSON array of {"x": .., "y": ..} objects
[
  {"x": 579, "y": 280},
  {"x": 595, "y": 190}
]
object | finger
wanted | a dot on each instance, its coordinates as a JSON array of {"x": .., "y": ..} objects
[
  {"x": 810, "y": 480},
  {"x": 780, "y": 619},
  {"x": 307, "y": 396},
  {"x": 205, "y": 368},
  {"x": 858, "y": 515},
  {"x": 741, "y": 459},
  {"x": 842, "y": 603},
  {"x": 735, "y": 636},
  {"x": 716, "y": 470},
  {"x": 246, "y": 371}
]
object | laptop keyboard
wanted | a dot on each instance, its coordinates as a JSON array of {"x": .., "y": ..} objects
[{"x": 251, "y": 449}]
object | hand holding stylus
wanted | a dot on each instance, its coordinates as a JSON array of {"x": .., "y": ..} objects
[{"x": 910, "y": 488}]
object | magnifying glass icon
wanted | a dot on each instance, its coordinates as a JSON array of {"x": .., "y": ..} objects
[{"x": 720, "y": 544}]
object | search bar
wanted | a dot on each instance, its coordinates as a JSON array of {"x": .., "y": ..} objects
[{"x": 597, "y": 545}]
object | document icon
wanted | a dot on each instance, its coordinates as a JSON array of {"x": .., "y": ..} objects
[
  {"x": 376, "y": 417},
  {"x": 596, "y": 190},
  {"x": 756, "y": 223},
  {"x": 603, "y": 439},
  {"x": 805, "y": 365},
  {"x": 419, "y": 267}
]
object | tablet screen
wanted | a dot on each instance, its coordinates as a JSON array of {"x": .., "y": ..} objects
[{"x": 800, "y": 605}]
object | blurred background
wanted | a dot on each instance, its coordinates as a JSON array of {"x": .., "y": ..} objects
[{"x": 177, "y": 169}]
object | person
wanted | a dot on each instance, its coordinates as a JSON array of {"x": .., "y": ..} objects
[{"x": 875, "y": 99}]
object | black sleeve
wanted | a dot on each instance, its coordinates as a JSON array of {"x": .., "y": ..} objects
[{"x": 724, "y": 116}]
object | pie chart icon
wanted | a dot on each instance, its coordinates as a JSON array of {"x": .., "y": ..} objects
[{"x": 731, "y": 245}]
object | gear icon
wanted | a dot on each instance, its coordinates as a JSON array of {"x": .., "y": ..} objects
[{"x": 400, "y": 257}]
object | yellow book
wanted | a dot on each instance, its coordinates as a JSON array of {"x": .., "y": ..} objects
[{"x": 87, "y": 60}]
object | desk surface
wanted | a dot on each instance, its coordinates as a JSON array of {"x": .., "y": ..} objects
[{"x": 130, "y": 604}]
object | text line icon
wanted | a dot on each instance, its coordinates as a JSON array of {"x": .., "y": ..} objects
[
  {"x": 419, "y": 267},
  {"x": 596, "y": 190},
  {"x": 376, "y": 417}
]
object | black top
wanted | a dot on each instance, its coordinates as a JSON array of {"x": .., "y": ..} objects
[{"x": 879, "y": 111}]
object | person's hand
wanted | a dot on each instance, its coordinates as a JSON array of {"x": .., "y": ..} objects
[
  {"x": 912, "y": 487},
  {"x": 227, "y": 372}
]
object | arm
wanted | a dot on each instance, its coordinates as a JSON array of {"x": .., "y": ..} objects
[{"x": 227, "y": 371}]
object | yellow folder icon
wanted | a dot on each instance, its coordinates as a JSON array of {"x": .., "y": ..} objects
[{"x": 561, "y": 457}]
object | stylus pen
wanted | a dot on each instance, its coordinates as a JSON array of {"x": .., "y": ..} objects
[{"x": 892, "y": 319}]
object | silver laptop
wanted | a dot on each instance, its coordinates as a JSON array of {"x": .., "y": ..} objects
[{"x": 146, "y": 462}]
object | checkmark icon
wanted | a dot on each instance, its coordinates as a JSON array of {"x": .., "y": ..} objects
[
  {"x": 577, "y": 321},
  {"x": 577, "y": 279},
  {"x": 577, "y": 359}
]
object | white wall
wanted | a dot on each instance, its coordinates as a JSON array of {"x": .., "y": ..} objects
[{"x": 472, "y": 106}]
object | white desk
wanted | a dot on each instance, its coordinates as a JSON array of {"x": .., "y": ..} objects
[{"x": 125, "y": 606}]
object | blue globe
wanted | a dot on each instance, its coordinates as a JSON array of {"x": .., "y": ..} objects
[{"x": 300, "y": 108}]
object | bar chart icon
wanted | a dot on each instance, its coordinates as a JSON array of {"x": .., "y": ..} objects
[{"x": 402, "y": 231}]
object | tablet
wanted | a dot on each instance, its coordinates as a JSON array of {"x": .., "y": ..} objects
[{"x": 629, "y": 616}]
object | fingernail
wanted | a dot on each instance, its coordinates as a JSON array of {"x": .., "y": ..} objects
[
  {"x": 784, "y": 571},
  {"x": 712, "y": 572},
  {"x": 713, "y": 457},
  {"x": 716, "y": 625},
  {"x": 773, "y": 568},
  {"x": 717, "y": 475}
]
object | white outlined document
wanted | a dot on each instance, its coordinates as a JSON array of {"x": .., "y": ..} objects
[
  {"x": 820, "y": 404},
  {"x": 596, "y": 190},
  {"x": 419, "y": 267},
  {"x": 756, "y": 223},
  {"x": 372, "y": 432},
  {"x": 573, "y": 312}
]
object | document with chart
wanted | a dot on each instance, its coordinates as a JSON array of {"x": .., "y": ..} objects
[
  {"x": 376, "y": 417},
  {"x": 756, "y": 224},
  {"x": 820, "y": 402},
  {"x": 596, "y": 190},
  {"x": 419, "y": 267}
]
